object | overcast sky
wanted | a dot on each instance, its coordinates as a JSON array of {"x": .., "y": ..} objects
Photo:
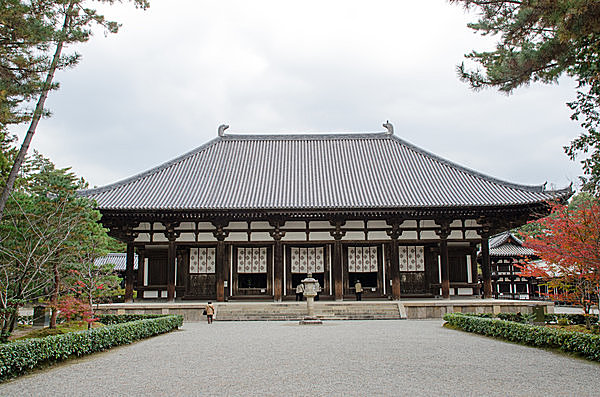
[{"x": 174, "y": 73}]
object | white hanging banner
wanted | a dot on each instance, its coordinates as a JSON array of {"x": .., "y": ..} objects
[
  {"x": 202, "y": 260},
  {"x": 362, "y": 260},
  {"x": 411, "y": 258},
  {"x": 252, "y": 260},
  {"x": 308, "y": 260}
]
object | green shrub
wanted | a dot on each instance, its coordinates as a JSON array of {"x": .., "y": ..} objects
[
  {"x": 575, "y": 319},
  {"x": 516, "y": 317},
  {"x": 20, "y": 356},
  {"x": 562, "y": 321},
  {"x": 586, "y": 345},
  {"x": 480, "y": 315},
  {"x": 108, "y": 319}
]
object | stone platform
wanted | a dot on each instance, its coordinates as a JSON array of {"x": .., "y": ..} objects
[{"x": 345, "y": 310}]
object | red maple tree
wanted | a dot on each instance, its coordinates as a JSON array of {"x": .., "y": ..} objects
[{"x": 568, "y": 244}]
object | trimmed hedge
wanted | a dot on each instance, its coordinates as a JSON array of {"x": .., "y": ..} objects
[
  {"x": 586, "y": 345},
  {"x": 108, "y": 319},
  {"x": 20, "y": 356}
]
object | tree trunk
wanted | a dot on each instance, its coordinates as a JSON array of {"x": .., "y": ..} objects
[
  {"x": 37, "y": 114},
  {"x": 54, "y": 298}
]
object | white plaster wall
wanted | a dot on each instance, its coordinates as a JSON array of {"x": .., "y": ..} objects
[
  {"x": 378, "y": 236},
  {"x": 143, "y": 226},
  {"x": 354, "y": 236},
  {"x": 294, "y": 236},
  {"x": 159, "y": 237},
  {"x": 187, "y": 225},
  {"x": 471, "y": 223},
  {"x": 237, "y": 225},
  {"x": 456, "y": 223},
  {"x": 465, "y": 291},
  {"x": 472, "y": 234},
  {"x": 260, "y": 225},
  {"x": 237, "y": 236},
  {"x": 187, "y": 237},
  {"x": 408, "y": 235},
  {"x": 261, "y": 236},
  {"x": 158, "y": 226},
  {"x": 206, "y": 237},
  {"x": 205, "y": 226},
  {"x": 409, "y": 223},
  {"x": 295, "y": 225},
  {"x": 428, "y": 223},
  {"x": 315, "y": 236},
  {"x": 377, "y": 224},
  {"x": 143, "y": 238},
  {"x": 457, "y": 234},
  {"x": 320, "y": 225},
  {"x": 427, "y": 235},
  {"x": 354, "y": 224}
]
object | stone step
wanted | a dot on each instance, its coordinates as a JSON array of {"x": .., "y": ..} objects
[{"x": 297, "y": 311}]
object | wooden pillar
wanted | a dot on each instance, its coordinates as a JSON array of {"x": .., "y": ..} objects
[
  {"x": 486, "y": 267},
  {"x": 220, "y": 268},
  {"x": 278, "y": 270},
  {"x": 171, "y": 234},
  {"x": 395, "y": 234},
  {"x": 444, "y": 266},
  {"x": 171, "y": 271},
  {"x": 140, "y": 274},
  {"x": 337, "y": 262},
  {"x": 129, "y": 272},
  {"x": 443, "y": 233}
]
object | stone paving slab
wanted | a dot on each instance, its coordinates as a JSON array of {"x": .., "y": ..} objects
[{"x": 349, "y": 358}]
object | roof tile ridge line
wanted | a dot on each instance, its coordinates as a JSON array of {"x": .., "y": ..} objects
[
  {"x": 529, "y": 188},
  {"x": 300, "y": 136},
  {"x": 158, "y": 168}
]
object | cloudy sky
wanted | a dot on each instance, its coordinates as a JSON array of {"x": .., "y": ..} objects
[{"x": 175, "y": 72}]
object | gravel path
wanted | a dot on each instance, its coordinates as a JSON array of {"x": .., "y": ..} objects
[{"x": 349, "y": 358}]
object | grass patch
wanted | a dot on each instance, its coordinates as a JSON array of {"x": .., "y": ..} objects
[{"x": 61, "y": 329}]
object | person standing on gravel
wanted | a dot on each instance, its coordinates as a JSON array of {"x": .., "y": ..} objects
[
  {"x": 358, "y": 289},
  {"x": 210, "y": 312}
]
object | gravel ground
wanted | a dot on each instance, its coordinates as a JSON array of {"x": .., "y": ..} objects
[{"x": 349, "y": 358}]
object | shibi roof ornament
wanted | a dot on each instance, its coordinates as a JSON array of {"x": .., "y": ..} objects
[
  {"x": 222, "y": 129},
  {"x": 389, "y": 127}
]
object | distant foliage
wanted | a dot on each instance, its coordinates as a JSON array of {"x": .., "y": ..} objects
[{"x": 538, "y": 41}]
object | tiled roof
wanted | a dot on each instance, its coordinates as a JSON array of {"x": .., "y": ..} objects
[
  {"x": 119, "y": 260},
  {"x": 507, "y": 244},
  {"x": 350, "y": 171}
]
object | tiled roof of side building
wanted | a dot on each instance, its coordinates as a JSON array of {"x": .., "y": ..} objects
[
  {"x": 333, "y": 171},
  {"x": 119, "y": 260},
  {"x": 507, "y": 244}
]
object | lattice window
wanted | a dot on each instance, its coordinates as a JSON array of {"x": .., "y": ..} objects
[
  {"x": 202, "y": 260},
  {"x": 308, "y": 260},
  {"x": 362, "y": 259},
  {"x": 252, "y": 260},
  {"x": 411, "y": 258}
]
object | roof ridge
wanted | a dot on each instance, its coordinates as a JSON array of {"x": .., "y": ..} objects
[
  {"x": 477, "y": 174},
  {"x": 151, "y": 171}
]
